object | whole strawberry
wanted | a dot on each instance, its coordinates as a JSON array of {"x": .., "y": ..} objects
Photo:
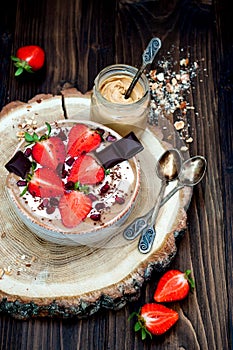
[
  {"x": 154, "y": 319},
  {"x": 29, "y": 58},
  {"x": 174, "y": 285}
]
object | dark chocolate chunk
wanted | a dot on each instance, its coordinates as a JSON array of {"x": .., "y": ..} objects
[
  {"x": 19, "y": 164},
  {"x": 123, "y": 149}
]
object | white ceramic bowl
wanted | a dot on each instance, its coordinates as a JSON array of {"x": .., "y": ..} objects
[{"x": 49, "y": 226}]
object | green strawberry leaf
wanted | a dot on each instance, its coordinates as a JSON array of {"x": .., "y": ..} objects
[
  {"x": 189, "y": 279},
  {"x": 148, "y": 332},
  {"x": 48, "y": 128},
  {"x": 15, "y": 59},
  {"x": 28, "y": 69},
  {"x": 19, "y": 71},
  {"x": 35, "y": 137},
  {"x": 143, "y": 333},
  {"x": 28, "y": 137},
  {"x": 24, "y": 191},
  {"x": 34, "y": 166},
  {"x": 132, "y": 315},
  {"x": 137, "y": 326}
]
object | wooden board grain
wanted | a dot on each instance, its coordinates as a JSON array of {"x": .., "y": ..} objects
[{"x": 40, "y": 278}]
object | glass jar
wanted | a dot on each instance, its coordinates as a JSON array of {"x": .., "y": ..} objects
[{"x": 109, "y": 106}]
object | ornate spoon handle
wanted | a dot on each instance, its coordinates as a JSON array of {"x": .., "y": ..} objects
[
  {"x": 148, "y": 235},
  {"x": 139, "y": 224}
]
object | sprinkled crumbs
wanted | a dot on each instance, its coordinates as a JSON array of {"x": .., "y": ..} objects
[{"x": 170, "y": 86}]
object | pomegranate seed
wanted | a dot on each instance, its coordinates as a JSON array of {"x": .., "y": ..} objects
[
  {"x": 21, "y": 183},
  {"x": 69, "y": 185},
  {"x": 50, "y": 210},
  {"x": 99, "y": 206},
  {"x": 92, "y": 197},
  {"x": 28, "y": 152},
  {"x": 45, "y": 202},
  {"x": 100, "y": 131},
  {"x": 64, "y": 173},
  {"x": 105, "y": 188},
  {"x": 111, "y": 138},
  {"x": 54, "y": 202},
  {"x": 70, "y": 161},
  {"x": 95, "y": 217},
  {"x": 119, "y": 200}
]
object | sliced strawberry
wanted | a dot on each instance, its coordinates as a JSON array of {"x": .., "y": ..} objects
[
  {"x": 82, "y": 139},
  {"x": 156, "y": 318},
  {"x": 45, "y": 183},
  {"x": 49, "y": 152},
  {"x": 74, "y": 208},
  {"x": 75, "y": 132},
  {"x": 86, "y": 170},
  {"x": 173, "y": 285}
]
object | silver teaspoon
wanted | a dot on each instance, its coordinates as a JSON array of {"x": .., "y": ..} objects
[
  {"x": 191, "y": 173},
  {"x": 167, "y": 168}
]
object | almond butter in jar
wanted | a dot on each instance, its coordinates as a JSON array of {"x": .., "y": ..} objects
[{"x": 109, "y": 105}]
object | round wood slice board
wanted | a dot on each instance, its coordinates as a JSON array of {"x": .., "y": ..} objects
[{"x": 39, "y": 278}]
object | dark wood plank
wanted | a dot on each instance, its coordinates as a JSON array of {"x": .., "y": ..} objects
[{"x": 80, "y": 39}]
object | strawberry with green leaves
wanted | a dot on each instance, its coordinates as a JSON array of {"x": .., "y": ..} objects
[
  {"x": 48, "y": 151},
  {"x": 154, "y": 319},
  {"x": 174, "y": 285},
  {"x": 82, "y": 139},
  {"x": 28, "y": 58},
  {"x": 86, "y": 170},
  {"x": 74, "y": 207}
]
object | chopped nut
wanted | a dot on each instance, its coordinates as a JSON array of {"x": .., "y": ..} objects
[
  {"x": 184, "y": 148},
  {"x": 160, "y": 77},
  {"x": 179, "y": 125},
  {"x": 189, "y": 140}
]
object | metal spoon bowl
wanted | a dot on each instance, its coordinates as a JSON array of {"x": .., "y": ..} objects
[{"x": 191, "y": 173}]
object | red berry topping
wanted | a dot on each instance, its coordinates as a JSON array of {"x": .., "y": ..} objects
[
  {"x": 45, "y": 183},
  {"x": 74, "y": 208},
  {"x": 86, "y": 170},
  {"x": 82, "y": 139}
]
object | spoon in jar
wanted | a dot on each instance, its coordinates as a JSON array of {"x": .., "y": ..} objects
[{"x": 147, "y": 57}]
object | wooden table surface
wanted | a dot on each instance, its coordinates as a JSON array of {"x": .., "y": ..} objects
[{"x": 80, "y": 37}]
